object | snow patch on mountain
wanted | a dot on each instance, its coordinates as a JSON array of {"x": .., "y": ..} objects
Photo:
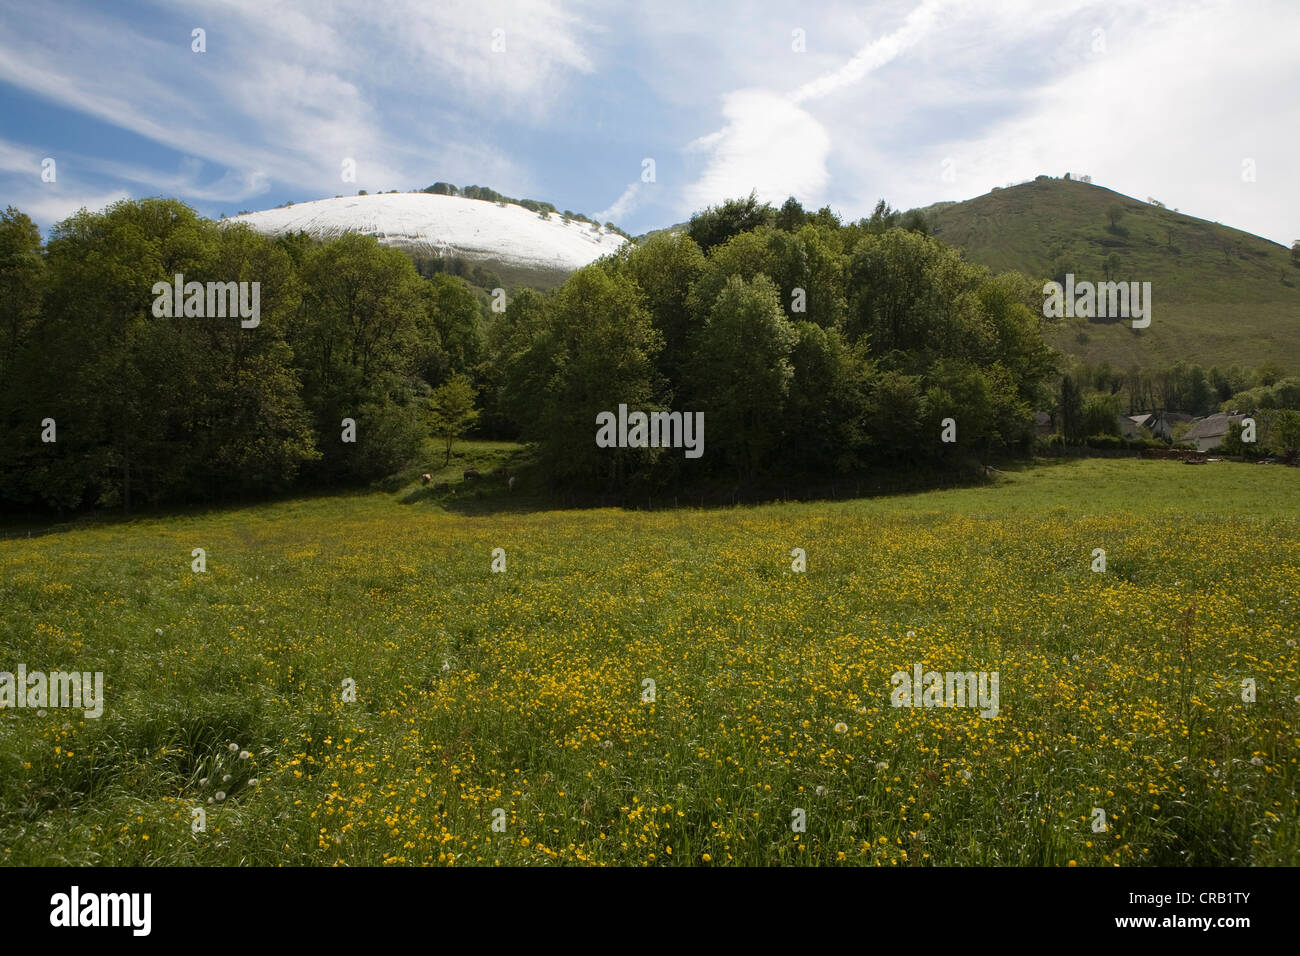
[{"x": 446, "y": 225}]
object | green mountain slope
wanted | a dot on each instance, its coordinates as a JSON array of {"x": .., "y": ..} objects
[{"x": 1219, "y": 296}]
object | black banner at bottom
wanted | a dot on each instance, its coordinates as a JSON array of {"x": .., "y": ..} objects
[{"x": 335, "y": 905}]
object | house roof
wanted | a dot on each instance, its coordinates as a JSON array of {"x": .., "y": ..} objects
[
  {"x": 1128, "y": 427},
  {"x": 1212, "y": 426}
]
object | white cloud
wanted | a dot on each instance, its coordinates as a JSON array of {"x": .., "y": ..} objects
[
  {"x": 875, "y": 54},
  {"x": 773, "y": 144},
  {"x": 769, "y": 144},
  {"x": 54, "y": 206},
  {"x": 1182, "y": 93},
  {"x": 1171, "y": 107},
  {"x": 1160, "y": 97},
  {"x": 188, "y": 181},
  {"x": 49, "y": 202},
  {"x": 624, "y": 204},
  {"x": 287, "y": 91},
  {"x": 19, "y": 159}
]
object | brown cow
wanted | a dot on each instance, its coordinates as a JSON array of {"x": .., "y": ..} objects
[{"x": 471, "y": 473}]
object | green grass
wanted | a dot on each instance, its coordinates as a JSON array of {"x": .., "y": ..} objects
[
  {"x": 1208, "y": 307},
  {"x": 522, "y": 691}
]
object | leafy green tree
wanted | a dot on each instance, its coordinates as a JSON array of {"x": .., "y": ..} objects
[
  {"x": 809, "y": 273},
  {"x": 155, "y": 407},
  {"x": 1070, "y": 412},
  {"x": 1284, "y": 433},
  {"x": 827, "y": 406},
  {"x": 895, "y": 430},
  {"x": 1233, "y": 446},
  {"x": 22, "y": 280},
  {"x": 22, "y": 285},
  {"x": 1268, "y": 373},
  {"x": 739, "y": 372},
  {"x": 1015, "y": 337},
  {"x": 913, "y": 295},
  {"x": 746, "y": 256},
  {"x": 982, "y": 402},
  {"x": 356, "y": 339},
  {"x": 255, "y": 433},
  {"x": 791, "y": 215},
  {"x": 665, "y": 267},
  {"x": 716, "y": 224},
  {"x": 598, "y": 350},
  {"x": 1100, "y": 415},
  {"x": 1224, "y": 383},
  {"x": 452, "y": 411},
  {"x": 124, "y": 403},
  {"x": 453, "y": 337},
  {"x": 1111, "y": 266},
  {"x": 1186, "y": 388},
  {"x": 883, "y": 218},
  {"x": 513, "y": 377},
  {"x": 914, "y": 221}
]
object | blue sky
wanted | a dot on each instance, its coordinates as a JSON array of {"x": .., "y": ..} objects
[{"x": 916, "y": 101}]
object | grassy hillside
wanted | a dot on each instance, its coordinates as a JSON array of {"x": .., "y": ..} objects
[
  {"x": 512, "y": 276},
  {"x": 523, "y": 692},
  {"x": 1221, "y": 296}
]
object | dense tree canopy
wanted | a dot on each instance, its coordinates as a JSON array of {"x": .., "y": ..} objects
[
  {"x": 149, "y": 408},
  {"x": 811, "y": 347}
]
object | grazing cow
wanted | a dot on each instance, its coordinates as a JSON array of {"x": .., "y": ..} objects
[
  {"x": 426, "y": 478},
  {"x": 441, "y": 486},
  {"x": 471, "y": 473},
  {"x": 503, "y": 471}
]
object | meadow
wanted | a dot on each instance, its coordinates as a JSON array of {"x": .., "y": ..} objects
[{"x": 520, "y": 698}]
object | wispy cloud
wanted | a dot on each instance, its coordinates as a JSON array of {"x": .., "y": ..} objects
[
  {"x": 286, "y": 93},
  {"x": 772, "y": 144},
  {"x": 621, "y": 206},
  {"x": 56, "y": 206},
  {"x": 875, "y": 54},
  {"x": 19, "y": 159},
  {"x": 912, "y": 100}
]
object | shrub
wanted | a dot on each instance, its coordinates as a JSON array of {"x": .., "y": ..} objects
[{"x": 1105, "y": 441}]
